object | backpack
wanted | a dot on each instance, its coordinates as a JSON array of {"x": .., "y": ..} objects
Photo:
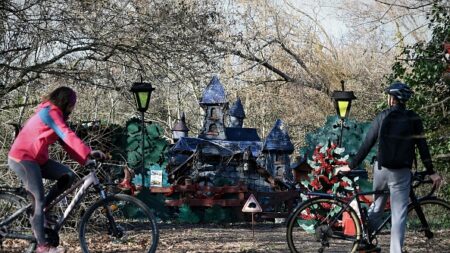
[{"x": 396, "y": 148}]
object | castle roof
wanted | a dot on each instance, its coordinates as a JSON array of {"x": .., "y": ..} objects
[
  {"x": 214, "y": 93},
  {"x": 278, "y": 139},
  {"x": 241, "y": 134},
  {"x": 224, "y": 148},
  {"x": 181, "y": 124},
  {"x": 237, "y": 110}
]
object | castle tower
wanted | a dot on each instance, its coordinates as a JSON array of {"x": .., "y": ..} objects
[
  {"x": 237, "y": 114},
  {"x": 277, "y": 148},
  {"x": 214, "y": 103},
  {"x": 180, "y": 129}
]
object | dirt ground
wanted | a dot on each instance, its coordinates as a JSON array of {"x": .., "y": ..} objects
[
  {"x": 238, "y": 237},
  {"x": 269, "y": 237}
]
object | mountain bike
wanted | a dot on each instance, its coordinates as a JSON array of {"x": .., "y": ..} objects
[
  {"x": 113, "y": 223},
  {"x": 339, "y": 223}
]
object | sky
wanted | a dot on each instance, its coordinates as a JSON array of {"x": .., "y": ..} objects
[
  {"x": 330, "y": 14},
  {"x": 326, "y": 13}
]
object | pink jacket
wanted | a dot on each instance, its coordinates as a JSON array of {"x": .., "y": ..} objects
[{"x": 44, "y": 128}]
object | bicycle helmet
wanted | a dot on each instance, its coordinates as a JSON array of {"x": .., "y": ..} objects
[{"x": 399, "y": 90}]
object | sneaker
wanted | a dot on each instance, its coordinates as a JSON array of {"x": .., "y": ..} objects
[
  {"x": 368, "y": 247},
  {"x": 45, "y": 248}
]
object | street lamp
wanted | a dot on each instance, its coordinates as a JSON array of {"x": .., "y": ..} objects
[
  {"x": 342, "y": 103},
  {"x": 142, "y": 92}
]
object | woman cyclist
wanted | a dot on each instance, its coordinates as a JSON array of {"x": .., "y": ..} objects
[{"x": 29, "y": 157}]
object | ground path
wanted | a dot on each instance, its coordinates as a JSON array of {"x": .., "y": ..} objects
[{"x": 269, "y": 238}]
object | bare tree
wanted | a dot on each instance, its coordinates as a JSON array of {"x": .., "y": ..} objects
[{"x": 107, "y": 44}]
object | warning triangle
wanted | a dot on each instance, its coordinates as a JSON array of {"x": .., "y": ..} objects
[{"x": 252, "y": 205}]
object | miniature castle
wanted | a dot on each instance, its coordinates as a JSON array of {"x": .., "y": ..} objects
[{"x": 224, "y": 149}]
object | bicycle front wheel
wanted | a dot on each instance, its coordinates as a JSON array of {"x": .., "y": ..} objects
[
  {"x": 437, "y": 214},
  {"x": 120, "y": 223},
  {"x": 321, "y": 225}
]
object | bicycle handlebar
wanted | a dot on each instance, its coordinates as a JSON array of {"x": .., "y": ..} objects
[
  {"x": 95, "y": 161},
  {"x": 418, "y": 178},
  {"x": 92, "y": 164}
]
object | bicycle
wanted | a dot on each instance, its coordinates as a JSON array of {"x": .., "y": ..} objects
[
  {"x": 114, "y": 223},
  {"x": 337, "y": 223}
]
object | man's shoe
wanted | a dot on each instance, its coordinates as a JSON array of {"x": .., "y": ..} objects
[
  {"x": 45, "y": 248},
  {"x": 368, "y": 247}
]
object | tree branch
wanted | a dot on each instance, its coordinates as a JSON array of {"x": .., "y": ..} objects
[
  {"x": 405, "y": 6},
  {"x": 297, "y": 59},
  {"x": 443, "y": 156},
  {"x": 15, "y": 106},
  {"x": 436, "y": 104},
  {"x": 264, "y": 63}
]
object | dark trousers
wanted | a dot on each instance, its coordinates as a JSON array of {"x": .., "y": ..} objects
[{"x": 31, "y": 175}]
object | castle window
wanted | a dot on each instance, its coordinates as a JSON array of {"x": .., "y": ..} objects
[
  {"x": 213, "y": 130},
  {"x": 213, "y": 113},
  {"x": 279, "y": 158}
]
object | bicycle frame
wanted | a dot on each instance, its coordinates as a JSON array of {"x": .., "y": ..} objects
[
  {"x": 84, "y": 184},
  {"x": 347, "y": 205},
  {"x": 364, "y": 216}
]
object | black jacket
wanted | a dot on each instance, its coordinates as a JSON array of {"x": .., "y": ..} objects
[{"x": 372, "y": 138}]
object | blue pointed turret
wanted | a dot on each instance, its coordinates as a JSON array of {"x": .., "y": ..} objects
[
  {"x": 237, "y": 110},
  {"x": 214, "y": 93},
  {"x": 214, "y": 102},
  {"x": 278, "y": 139}
]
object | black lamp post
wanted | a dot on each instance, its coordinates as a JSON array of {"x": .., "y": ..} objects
[
  {"x": 342, "y": 103},
  {"x": 142, "y": 92}
]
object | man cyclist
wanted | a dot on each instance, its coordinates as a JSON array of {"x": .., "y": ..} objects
[
  {"x": 29, "y": 157},
  {"x": 395, "y": 178}
]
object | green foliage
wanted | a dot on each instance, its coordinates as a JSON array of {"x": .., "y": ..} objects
[
  {"x": 186, "y": 215},
  {"x": 422, "y": 67},
  {"x": 322, "y": 177},
  {"x": 155, "y": 146},
  {"x": 156, "y": 202},
  {"x": 352, "y": 137},
  {"x": 217, "y": 214}
]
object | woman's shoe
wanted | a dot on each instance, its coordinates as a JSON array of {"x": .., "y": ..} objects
[{"x": 45, "y": 248}]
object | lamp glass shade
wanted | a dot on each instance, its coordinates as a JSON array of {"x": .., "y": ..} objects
[
  {"x": 144, "y": 99},
  {"x": 343, "y": 107}
]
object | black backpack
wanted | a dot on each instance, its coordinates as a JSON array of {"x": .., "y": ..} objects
[{"x": 396, "y": 148}]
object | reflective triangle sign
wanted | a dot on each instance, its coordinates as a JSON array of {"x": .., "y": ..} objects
[{"x": 252, "y": 205}]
